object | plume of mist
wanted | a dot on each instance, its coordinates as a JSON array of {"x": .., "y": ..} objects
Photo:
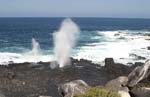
[
  {"x": 35, "y": 53},
  {"x": 64, "y": 40},
  {"x": 35, "y": 48}
]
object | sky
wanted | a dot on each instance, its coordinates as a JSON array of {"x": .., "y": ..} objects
[{"x": 75, "y": 8}]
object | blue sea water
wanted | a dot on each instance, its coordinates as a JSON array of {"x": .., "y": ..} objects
[{"x": 120, "y": 38}]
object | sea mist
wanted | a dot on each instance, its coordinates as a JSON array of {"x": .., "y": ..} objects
[
  {"x": 36, "y": 51},
  {"x": 35, "y": 54},
  {"x": 64, "y": 40}
]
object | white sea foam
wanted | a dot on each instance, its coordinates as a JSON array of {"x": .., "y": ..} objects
[
  {"x": 118, "y": 45},
  {"x": 35, "y": 55},
  {"x": 6, "y": 58}
]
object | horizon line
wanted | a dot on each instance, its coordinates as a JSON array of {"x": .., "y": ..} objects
[{"x": 72, "y": 17}]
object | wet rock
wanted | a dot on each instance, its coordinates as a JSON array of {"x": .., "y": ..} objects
[
  {"x": 148, "y": 47},
  {"x": 146, "y": 34},
  {"x": 117, "y": 34},
  {"x": 123, "y": 38},
  {"x": 139, "y": 73},
  {"x": 138, "y": 64},
  {"x": 137, "y": 57},
  {"x": 54, "y": 65},
  {"x": 85, "y": 61},
  {"x": 109, "y": 62},
  {"x": 129, "y": 63},
  {"x": 72, "y": 88},
  {"x": 147, "y": 39},
  {"x": 116, "y": 68}
]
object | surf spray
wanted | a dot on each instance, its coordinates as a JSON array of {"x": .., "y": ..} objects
[{"x": 64, "y": 41}]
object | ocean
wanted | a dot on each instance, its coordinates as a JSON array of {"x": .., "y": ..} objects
[{"x": 124, "y": 39}]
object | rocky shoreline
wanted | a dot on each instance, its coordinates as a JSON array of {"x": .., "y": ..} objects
[{"x": 35, "y": 80}]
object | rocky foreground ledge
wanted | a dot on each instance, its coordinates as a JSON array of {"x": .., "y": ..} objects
[{"x": 35, "y": 80}]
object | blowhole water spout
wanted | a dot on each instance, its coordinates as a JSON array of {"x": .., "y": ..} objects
[{"x": 64, "y": 40}]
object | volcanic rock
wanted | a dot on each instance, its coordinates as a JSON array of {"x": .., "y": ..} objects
[
  {"x": 138, "y": 74},
  {"x": 148, "y": 47},
  {"x": 123, "y": 38},
  {"x": 147, "y": 34},
  {"x": 118, "y": 84},
  {"x": 73, "y": 88},
  {"x": 117, "y": 34},
  {"x": 33, "y": 80},
  {"x": 141, "y": 91},
  {"x": 9, "y": 75},
  {"x": 137, "y": 57},
  {"x": 116, "y": 68}
]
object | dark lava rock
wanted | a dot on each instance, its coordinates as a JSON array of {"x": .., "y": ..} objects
[
  {"x": 9, "y": 75},
  {"x": 148, "y": 47},
  {"x": 109, "y": 62},
  {"x": 123, "y": 38},
  {"x": 33, "y": 80},
  {"x": 147, "y": 34},
  {"x": 137, "y": 64},
  {"x": 116, "y": 68},
  {"x": 117, "y": 34},
  {"x": 137, "y": 57}
]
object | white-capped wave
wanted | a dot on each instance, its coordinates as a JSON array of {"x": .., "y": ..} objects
[
  {"x": 7, "y": 58},
  {"x": 124, "y": 46},
  {"x": 35, "y": 55},
  {"x": 118, "y": 45}
]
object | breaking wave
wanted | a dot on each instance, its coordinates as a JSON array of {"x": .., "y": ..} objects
[{"x": 124, "y": 46}]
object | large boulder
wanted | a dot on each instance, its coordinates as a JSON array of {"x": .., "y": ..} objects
[
  {"x": 137, "y": 80},
  {"x": 72, "y": 88},
  {"x": 138, "y": 74},
  {"x": 141, "y": 91},
  {"x": 119, "y": 85}
]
